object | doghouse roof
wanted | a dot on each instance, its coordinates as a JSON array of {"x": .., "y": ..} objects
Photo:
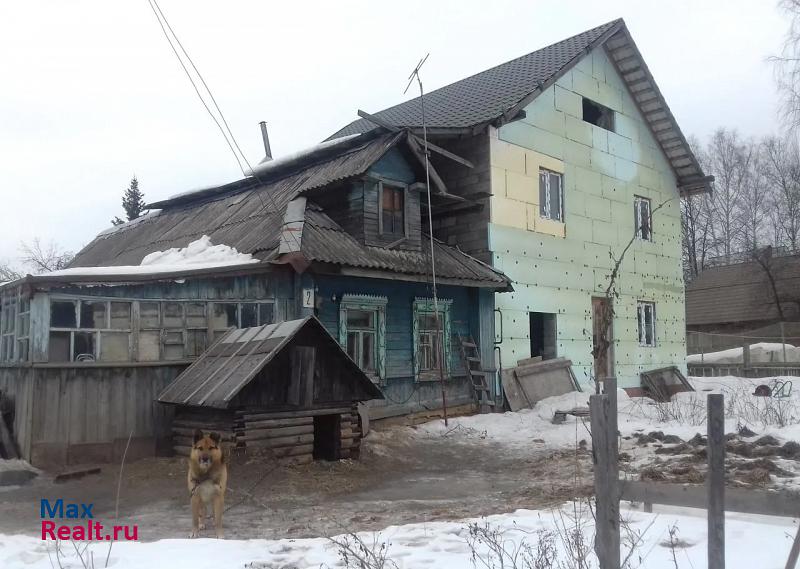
[{"x": 224, "y": 369}]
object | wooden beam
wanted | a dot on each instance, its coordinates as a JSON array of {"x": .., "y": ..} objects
[
  {"x": 378, "y": 121},
  {"x": 419, "y": 154},
  {"x": 444, "y": 152},
  {"x": 715, "y": 482}
]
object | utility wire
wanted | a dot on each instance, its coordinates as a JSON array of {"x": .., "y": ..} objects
[{"x": 157, "y": 12}]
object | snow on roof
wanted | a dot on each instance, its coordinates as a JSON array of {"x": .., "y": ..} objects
[
  {"x": 128, "y": 224},
  {"x": 199, "y": 254},
  {"x": 265, "y": 167}
]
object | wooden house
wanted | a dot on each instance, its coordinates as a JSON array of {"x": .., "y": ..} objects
[{"x": 334, "y": 232}]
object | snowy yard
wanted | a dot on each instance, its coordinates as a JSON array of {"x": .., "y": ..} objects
[
  {"x": 752, "y": 543},
  {"x": 417, "y": 494}
]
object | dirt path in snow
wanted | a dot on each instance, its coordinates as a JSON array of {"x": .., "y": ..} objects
[{"x": 400, "y": 478}]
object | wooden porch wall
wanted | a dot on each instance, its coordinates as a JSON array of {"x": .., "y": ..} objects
[{"x": 80, "y": 414}]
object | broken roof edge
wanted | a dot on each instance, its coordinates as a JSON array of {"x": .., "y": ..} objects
[{"x": 272, "y": 171}]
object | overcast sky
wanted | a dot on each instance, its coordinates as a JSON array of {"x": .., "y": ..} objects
[{"x": 90, "y": 92}]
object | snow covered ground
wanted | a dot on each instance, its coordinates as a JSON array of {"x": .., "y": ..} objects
[
  {"x": 751, "y": 543},
  {"x": 763, "y": 352}
]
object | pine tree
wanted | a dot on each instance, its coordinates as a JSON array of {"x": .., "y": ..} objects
[{"x": 133, "y": 200}]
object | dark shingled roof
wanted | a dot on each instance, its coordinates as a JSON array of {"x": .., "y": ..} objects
[
  {"x": 232, "y": 362},
  {"x": 249, "y": 217},
  {"x": 742, "y": 292},
  {"x": 497, "y": 95}
]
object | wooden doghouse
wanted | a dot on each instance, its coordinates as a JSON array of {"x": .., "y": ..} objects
[{"x": 288, "y": 389}]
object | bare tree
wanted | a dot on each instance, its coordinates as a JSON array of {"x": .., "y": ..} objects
[
  {"x": 696, "y": 223},
  {"x": 41, "y": 258},
  {"x": 787, "y": 65},
  {"x": 728, "y": 159},
  {"x": 781, "y": 170},
  {"x": 9, "y": 272},
  {"x": 755, "y": 200}
]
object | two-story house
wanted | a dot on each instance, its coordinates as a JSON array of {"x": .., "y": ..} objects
[
  {"x": 576, "y": 154},
  {"x": 334, "y": 232}
]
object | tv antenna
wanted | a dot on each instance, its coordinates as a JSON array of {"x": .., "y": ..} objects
[{"x": 440, "y": 337}]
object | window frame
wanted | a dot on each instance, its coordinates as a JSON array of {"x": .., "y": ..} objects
[
  {"x": 602, "y": 109},
  {"x": 368, "y": 303},
  {"x": 425, "y": 306},
  {"x": 638, "y": 202},
  {"x": 641, "y": 323},
  {"x": 380, "y": 183},
  {"x": 189, "y": 327},
  {"x": 545, "y": 205}
]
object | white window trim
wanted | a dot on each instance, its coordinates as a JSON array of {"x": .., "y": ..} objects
[
  {"x": 638, "y": 201},
  {"x": 641, "y": 323},
  {"x": 547, "y": 206},
  {"x": 378, "y": 305}
]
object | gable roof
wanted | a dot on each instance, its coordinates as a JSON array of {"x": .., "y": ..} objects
[
  {"x": 498, "y": 95},
  {"x": 251, "y": 216},
  {"x": 742, "y": 293},
  {"x": 232, "y": 362}
]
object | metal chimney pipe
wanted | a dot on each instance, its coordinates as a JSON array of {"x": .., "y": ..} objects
[{"x": 265, "y": 136}]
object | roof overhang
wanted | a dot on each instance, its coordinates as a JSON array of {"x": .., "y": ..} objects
[
  {"x": 642, "y": 87},
  {"x": 94, "y": 279}
]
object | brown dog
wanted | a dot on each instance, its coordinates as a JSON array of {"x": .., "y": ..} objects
[{"x": 208, "y": 479}]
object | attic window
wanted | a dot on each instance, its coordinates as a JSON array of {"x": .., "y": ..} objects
[
  {"x": 392, "y": 210},
  {"x": 598, "y": 115}
]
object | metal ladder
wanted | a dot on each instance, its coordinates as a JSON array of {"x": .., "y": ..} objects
[{"x": 477, "y": 376}]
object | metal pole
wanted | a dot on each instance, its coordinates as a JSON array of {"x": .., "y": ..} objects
[
  {"x": 442, "y": 351},
  {"x": 715, "y": 483}
]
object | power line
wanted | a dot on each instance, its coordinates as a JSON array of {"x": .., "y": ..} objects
[{"x": 232, "y": 142}]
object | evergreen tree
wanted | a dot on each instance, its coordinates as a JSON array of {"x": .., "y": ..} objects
[{"x": 133, "y": 200}]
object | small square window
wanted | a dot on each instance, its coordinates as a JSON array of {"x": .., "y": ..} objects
[
  {"x": 642, "y": 218},
  {"x": 598, "y": 115},
  {"x": 646, "y": 321},
  {"x": 62, "y": 314},
  {"x": 551, "y": 195}
]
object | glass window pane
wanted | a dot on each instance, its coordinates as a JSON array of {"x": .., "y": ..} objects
[
  {"x": 542, "y": 193},
  {"x": 352, "y": 345},
  {"x": 368, "y": 351},
  {"x": 62, "y": 314},
  {"x": 223, "y": 316},
  {"x": 195, "y": 342},
  {"x": 195, "y": 315},
  {"x": 265, "y": 313},
  {"x": 149, "y": 346},
  {"x": 22, "y": 350},
  {"x": 84, "y": 346},
  {"x": 149, "y": 315},
  {"x": 173, "y": 352},
  {"x": 249, "y": 315},
  {"x": 555, "y": 196},
  {"x": 59, "y": 347},
  {"x": 173, "y": 315},
  {"x": 93, "y": 314},
  {"x": 360, "y": 319},
  {"x": 121, "y": 315},
  {"x": 115, "y": 347}
]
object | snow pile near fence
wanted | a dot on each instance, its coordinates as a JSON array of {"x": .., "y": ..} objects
[
  {"x": 763, "y": 352},
  {"x": 762, "y": 543},
  {"x": 685, "y": 415},
  {"x": 199, "y": 254}
]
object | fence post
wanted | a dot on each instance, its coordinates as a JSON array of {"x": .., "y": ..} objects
[
  {"x": 715, "y": 483},
  {"x": 606, "y": 481},
  {"x": 745, "y": 355}
]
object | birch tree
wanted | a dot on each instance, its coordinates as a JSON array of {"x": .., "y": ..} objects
[{"x": 781, "y": 170}]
